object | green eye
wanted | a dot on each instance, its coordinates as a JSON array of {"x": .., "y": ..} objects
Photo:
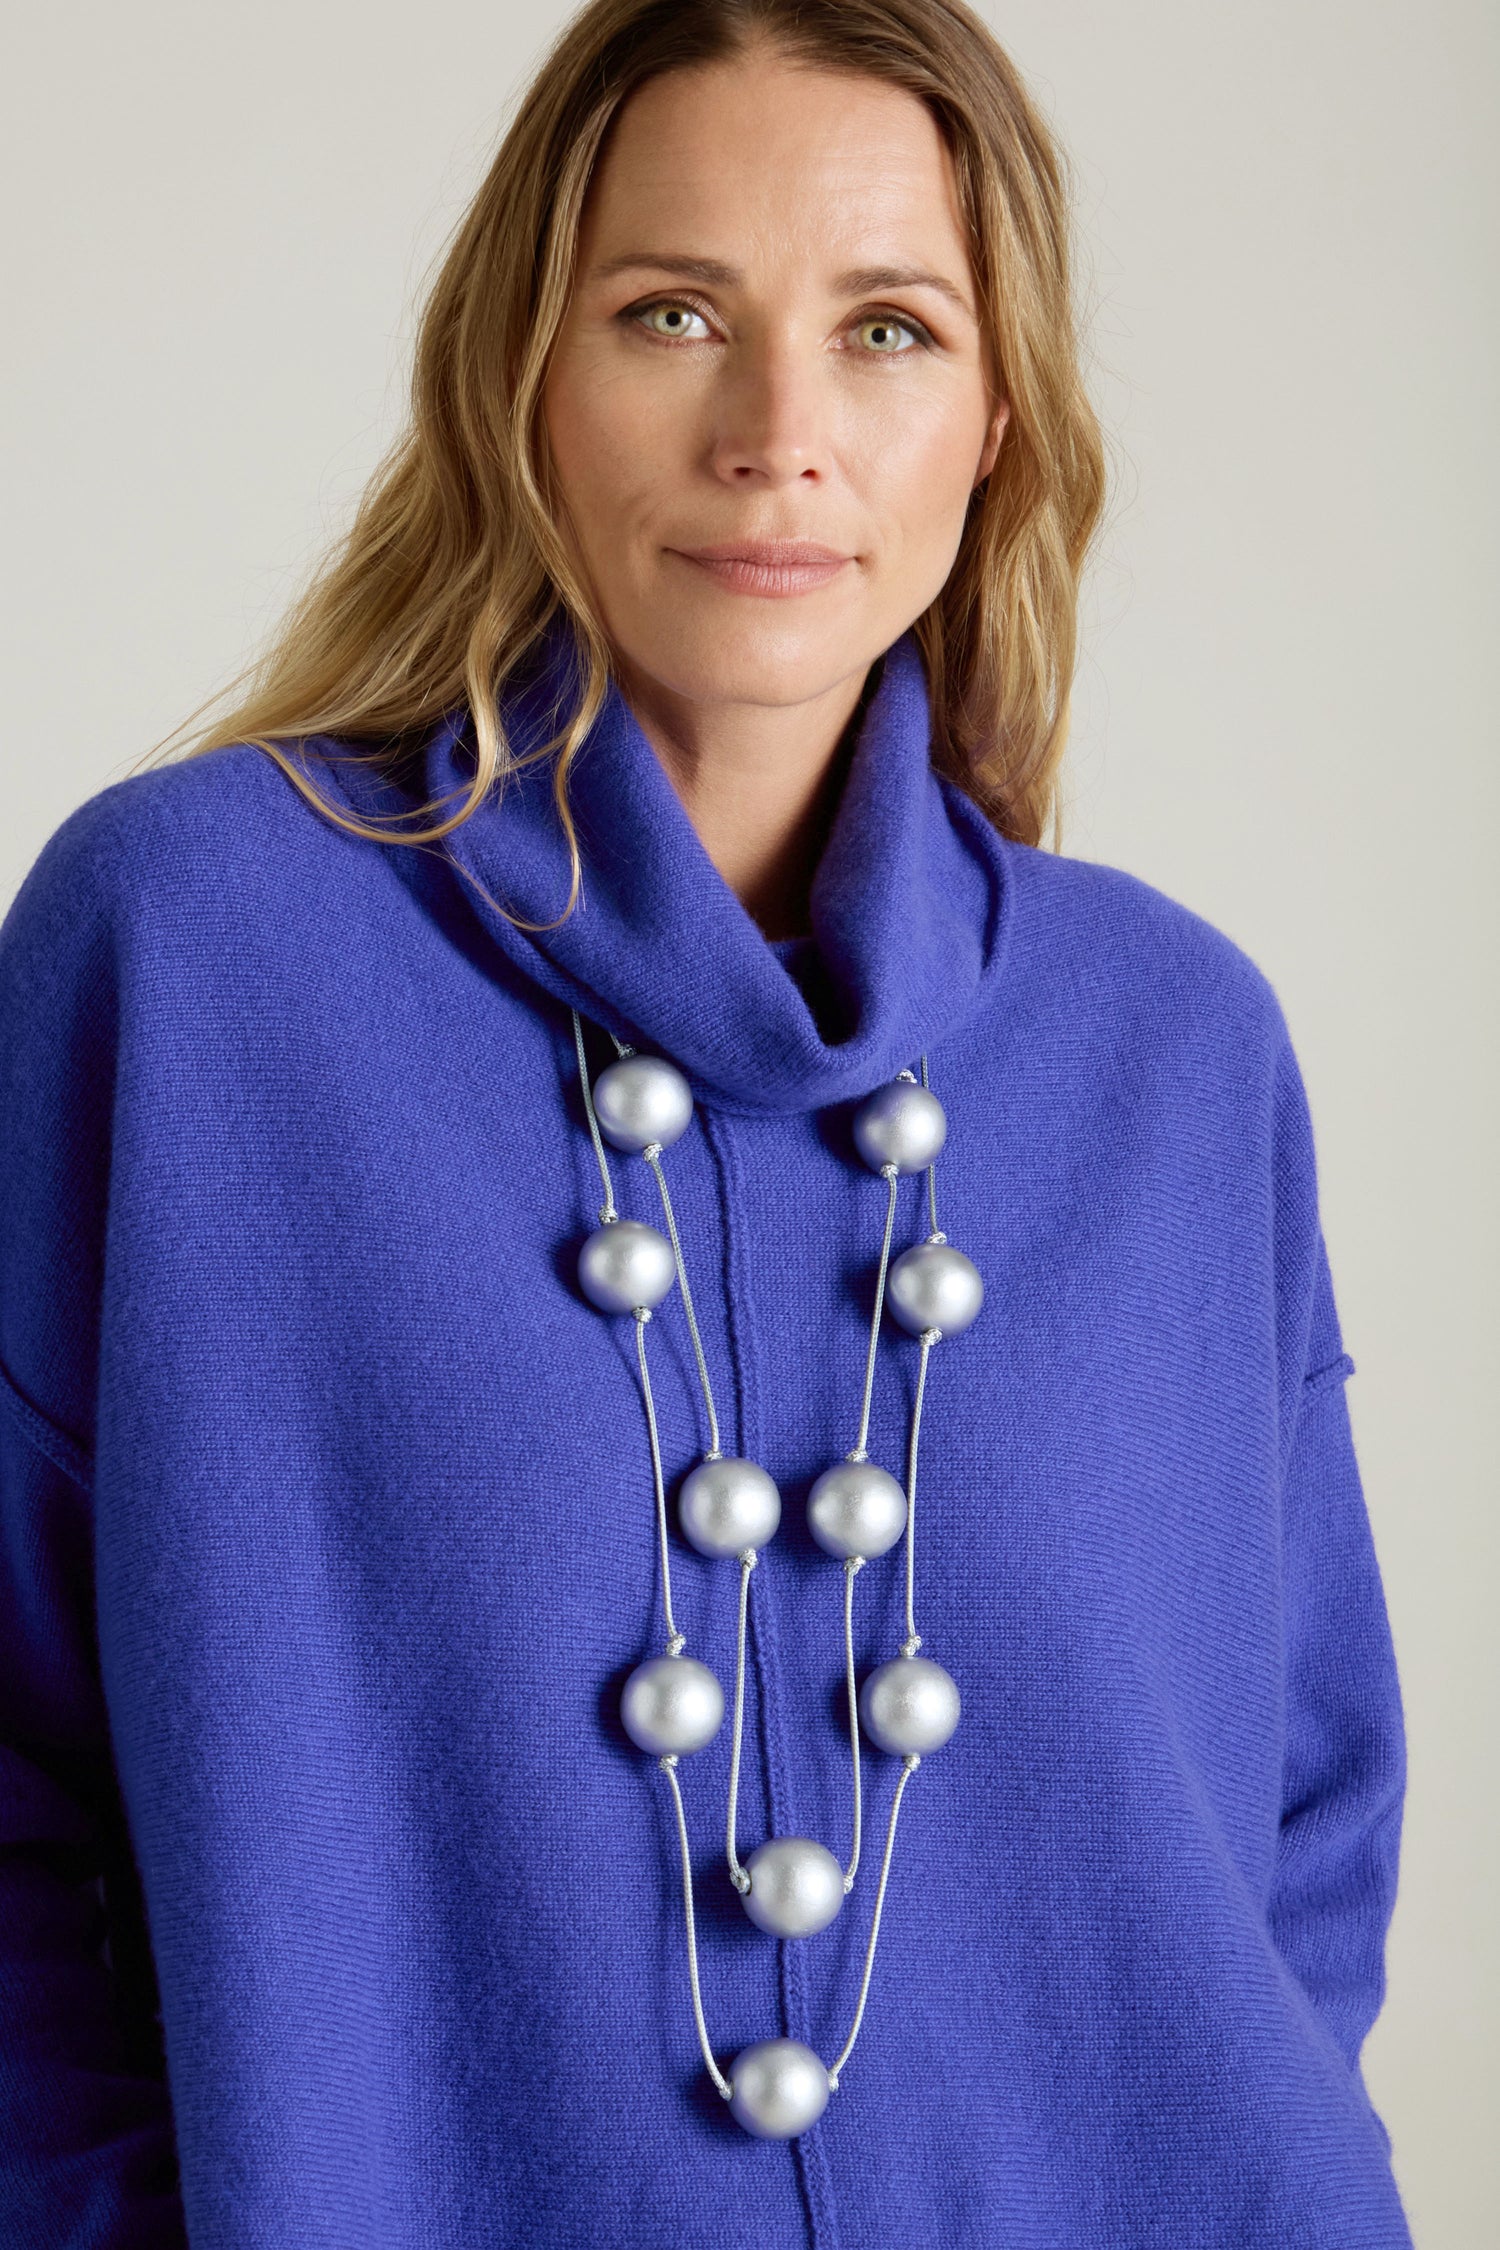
[
  {"x": 879, "y": 333},
  {"x": 669, "y": 319}
]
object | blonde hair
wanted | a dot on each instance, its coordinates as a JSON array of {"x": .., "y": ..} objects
[{"x": 454, "y": 565}]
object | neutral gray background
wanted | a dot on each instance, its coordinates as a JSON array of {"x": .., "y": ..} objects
[{"x": 216, "y": 224}]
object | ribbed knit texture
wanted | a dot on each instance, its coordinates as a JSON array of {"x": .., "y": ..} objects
[{"x": 328, "y": 1542}]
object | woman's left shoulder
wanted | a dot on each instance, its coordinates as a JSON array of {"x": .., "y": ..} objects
[{"x": 1135, "y": 952}]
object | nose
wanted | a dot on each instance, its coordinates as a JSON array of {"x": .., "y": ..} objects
[{"x": 770, "y": 424}]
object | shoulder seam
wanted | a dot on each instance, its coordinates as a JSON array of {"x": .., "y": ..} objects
[{"x": 44, "y": 1437}]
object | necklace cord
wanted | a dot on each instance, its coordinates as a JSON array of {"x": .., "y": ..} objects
[
  {"x": 909, "y": 1765},
  {"x": 890, "y": 1175},
  {"x": 932, "y": 1225},
  {"x": 608, "y": 1213},
  {"x": 852, "y": 1565},
  {"x": 669, "y": 1768},
  {"x": 737, "y": 1874},
  {"x": 913, "y": 1640},
  {"x": 675, "y": 1640},
  {"x": 652, "y": 1154}
]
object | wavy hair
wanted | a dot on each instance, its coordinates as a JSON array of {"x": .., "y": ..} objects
[{"x": 454, "y": 565}]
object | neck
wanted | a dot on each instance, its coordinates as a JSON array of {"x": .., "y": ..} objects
[{"x": 760, "y": 784}]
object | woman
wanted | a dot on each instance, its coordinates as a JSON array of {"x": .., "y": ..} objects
[{"x": 519, "y": 1149}]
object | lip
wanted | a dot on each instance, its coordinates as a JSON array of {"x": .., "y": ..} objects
[{"x": 774, "y": 567}]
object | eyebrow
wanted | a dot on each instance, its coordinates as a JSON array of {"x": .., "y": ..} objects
[{"x": 859, "y": 281}]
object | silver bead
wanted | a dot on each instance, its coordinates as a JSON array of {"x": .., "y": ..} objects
[
  {"x": 856, "y": 1508},
  {"x": 901, "y": 1124},
  {"x": 672, "y": 1703},
  {"x": 727, "y": 1505},
  {"x": 909, "y": 1704},
  {"x": 796, "y": 1887},
  {"x": 626, "y": 1264},
  {"x": 932, "y": 1285},
  {"x": 641, "y": 1099},
  {"x": 780, "y": 2088}
]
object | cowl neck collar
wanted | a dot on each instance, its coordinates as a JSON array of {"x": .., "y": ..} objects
[{"x": 908, "y": 905}]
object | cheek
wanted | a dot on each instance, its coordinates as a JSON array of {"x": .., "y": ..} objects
[
  {"x": 915, "y": 460},
  {"x": 611, "y": 441}
]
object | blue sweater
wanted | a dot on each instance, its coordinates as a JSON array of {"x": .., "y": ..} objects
[{"x": 337, "y": 1909}]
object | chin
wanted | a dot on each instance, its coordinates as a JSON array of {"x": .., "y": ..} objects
[{"x": 766, "y": 659}]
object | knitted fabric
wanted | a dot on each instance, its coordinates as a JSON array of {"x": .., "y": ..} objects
[{"x": 328, "y": 1540}]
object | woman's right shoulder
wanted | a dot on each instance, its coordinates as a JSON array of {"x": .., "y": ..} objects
[
  {"x": 219, "y": 836},
  {"x": 141, "y": 836}
]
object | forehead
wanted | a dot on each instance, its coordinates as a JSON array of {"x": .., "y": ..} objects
[{"x": 762, "y": 154}]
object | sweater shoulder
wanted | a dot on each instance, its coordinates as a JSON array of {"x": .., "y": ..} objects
[
  {"x": 1138, "y": 952},
  {"x": 1159, "y": 1028},
  {"x": 214, "y": 843},
  {"x": 217, "y": 805}
]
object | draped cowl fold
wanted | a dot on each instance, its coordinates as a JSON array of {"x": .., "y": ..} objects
[{"x": 336, "y": 1906}]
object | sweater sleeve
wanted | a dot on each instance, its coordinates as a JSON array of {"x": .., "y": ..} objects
[
  {"x": 87, "y": 2152},
  {"x": 1344, "y": 1758}
]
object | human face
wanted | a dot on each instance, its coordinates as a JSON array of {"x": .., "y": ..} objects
[{"x": 771, "y": 398}]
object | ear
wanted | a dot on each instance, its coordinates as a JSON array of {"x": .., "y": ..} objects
[{"x": 993, "y": 435}]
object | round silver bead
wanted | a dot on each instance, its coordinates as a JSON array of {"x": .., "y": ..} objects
[
  {"x": 641, "y": 1099},
  {"x": 672, "y": 1703},
  {"x": 626, "y": 1264},
  {"x": 901, "y": 1124},
  {"x": 932, "y": 1285},
  {"x": 856, "y": 1508},
  {"x": 909, "y": 1704},
  {"x": 780, "y": 2088},
  {"x": 796, "y": 1887},
  {"x": 727, "y": 1505}
]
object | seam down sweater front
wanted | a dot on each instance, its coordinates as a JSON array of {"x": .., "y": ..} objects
[{"x": 337, "y": 1909}]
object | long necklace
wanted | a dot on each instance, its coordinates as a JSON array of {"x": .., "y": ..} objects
[{"x": 792, "y": 1886}]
